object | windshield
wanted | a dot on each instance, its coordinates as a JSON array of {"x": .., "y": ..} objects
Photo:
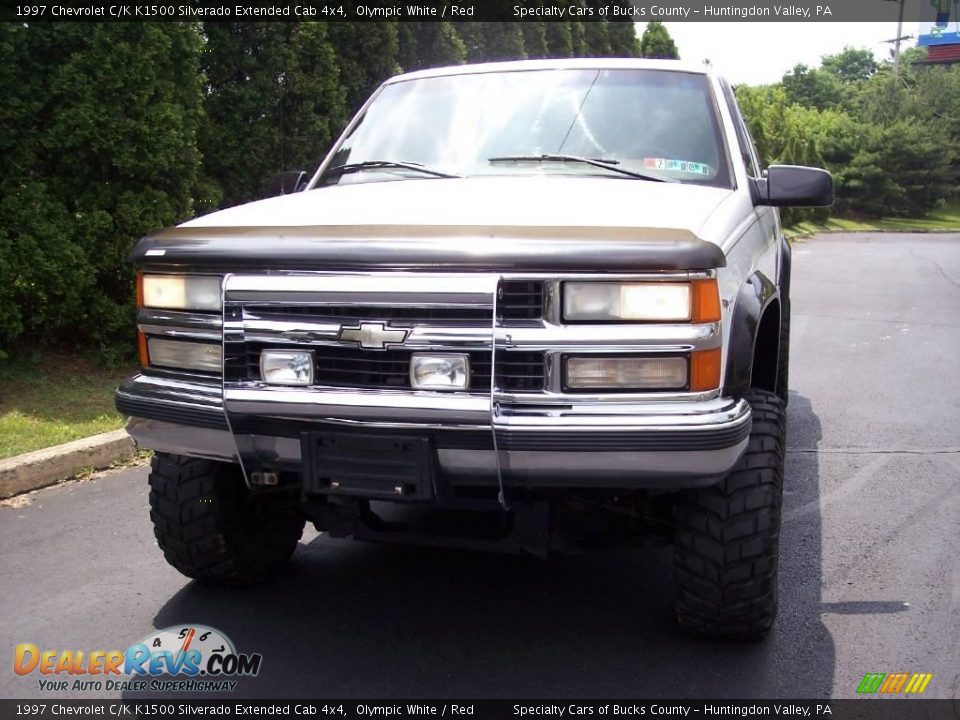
[{"x": 653, "y": 122}]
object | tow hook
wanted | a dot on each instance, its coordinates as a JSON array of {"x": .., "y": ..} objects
[{"x": 261, "y": 479}]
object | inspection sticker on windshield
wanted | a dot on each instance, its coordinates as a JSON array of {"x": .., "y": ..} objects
[{"x": 686, "y": 166}]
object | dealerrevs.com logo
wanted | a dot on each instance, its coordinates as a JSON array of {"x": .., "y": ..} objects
[{"x": 191, "y": 658}]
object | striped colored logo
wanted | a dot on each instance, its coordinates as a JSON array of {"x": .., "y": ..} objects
[{"x": 894, "y": 683}]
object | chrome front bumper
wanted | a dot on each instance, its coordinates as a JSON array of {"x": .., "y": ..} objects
[{"x": 670, "y": 443}]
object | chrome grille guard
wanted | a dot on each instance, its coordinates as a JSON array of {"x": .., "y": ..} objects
[{"x": 245, "y": 398}]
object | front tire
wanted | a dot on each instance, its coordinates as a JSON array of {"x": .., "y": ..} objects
[
  {"x": 212, "y": 528},
  {"x": 727, "y": 537}
]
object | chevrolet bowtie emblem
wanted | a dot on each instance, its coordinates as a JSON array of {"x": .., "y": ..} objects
[{"x": 372, "y": 335}]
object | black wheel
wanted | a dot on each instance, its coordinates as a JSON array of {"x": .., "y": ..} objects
[
  {"x": 212, "y": 528},
  {"x": 783, "y": 358},
  {"x": 727, "y": 537}
]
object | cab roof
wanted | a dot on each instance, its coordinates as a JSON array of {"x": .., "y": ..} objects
[{"x": 556, "y": 64}]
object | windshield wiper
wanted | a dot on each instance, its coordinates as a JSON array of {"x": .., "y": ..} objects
[
  {"x": 605, "y": 163},
  {"x": 385, "y": 164}
]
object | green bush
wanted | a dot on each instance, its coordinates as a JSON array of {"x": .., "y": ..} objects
[
  {"x": 111, "y": 130},
  {"x": 101, "y": 148},
  {"x": 889, "y": 141}
]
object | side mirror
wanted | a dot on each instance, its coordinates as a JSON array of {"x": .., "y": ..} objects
[
  {"x": 794, "y": 186},
  {"x": 287, "y": 182}
]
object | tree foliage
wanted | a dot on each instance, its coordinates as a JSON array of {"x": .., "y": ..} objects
[
  {"x": 275, "y": 100},
  {"x": 657, "y": 43},
  {"x": 889, "y": 140},
  {"x": 813, "y": 87},
  {"x": 430, "y": 44},
  {"x": 851, "y": 65},
  {"x": 120, "y": 129},
  {"x": 99, "y": 145}
]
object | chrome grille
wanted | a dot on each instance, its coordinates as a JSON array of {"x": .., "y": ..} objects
[
  {"x": 390, "y": 369},
  {"x": 397, "y": 316},
  {"x": 520, "y": 300}
]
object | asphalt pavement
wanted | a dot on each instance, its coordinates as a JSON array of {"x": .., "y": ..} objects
[{"x": 870, "y": 568}]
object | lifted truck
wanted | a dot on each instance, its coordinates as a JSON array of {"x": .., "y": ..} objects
[{"x": 538, "y": 304}]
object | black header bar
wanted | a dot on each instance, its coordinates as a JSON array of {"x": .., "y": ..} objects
[
  {"x": 185, "y": 707},
  {"x": 471, "y": 10}
]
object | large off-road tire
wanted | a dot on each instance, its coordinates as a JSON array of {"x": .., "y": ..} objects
[
  {"x": 212, "y": 528},
  {"x": 727, "y": 537}
]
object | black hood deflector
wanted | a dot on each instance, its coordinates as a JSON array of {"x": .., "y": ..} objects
[{"x": 431, "y": 248}]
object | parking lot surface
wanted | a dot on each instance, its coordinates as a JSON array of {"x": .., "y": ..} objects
[{"x": 870, "y": 568}]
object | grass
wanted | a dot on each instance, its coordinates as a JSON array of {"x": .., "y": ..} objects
[
  {"x": 50, "y": 399},
  {"x": 946, "y": 219}
]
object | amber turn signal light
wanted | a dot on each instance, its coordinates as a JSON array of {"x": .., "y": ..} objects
[
  {"x": 706, "y": 301},
  {"x": 704, "y": 370},
  {"x": 142, "y": 350}
]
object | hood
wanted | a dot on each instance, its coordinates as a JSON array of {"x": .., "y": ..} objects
[
  {"x": 541, "y": 201},
  {"x": 512, "y": 224}
]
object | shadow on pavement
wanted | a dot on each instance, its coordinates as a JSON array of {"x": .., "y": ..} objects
[{"x": 354, "y": 620}]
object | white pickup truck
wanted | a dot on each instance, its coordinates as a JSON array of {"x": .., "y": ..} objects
[{"x": 519, "y": 306}]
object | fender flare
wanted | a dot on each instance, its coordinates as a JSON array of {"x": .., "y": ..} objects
[
  {"x": 756, "y": 295},
  {"x": 786, "y": 265}
]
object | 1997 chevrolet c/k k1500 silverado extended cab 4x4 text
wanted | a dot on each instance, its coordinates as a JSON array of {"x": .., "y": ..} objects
[{"x": 540, "y": 304}]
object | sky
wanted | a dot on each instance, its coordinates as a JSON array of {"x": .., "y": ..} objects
[{"x": 755, "y": 53}]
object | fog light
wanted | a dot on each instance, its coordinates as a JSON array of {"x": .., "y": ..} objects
[
  {"x": 184, "y": 355},
  {"x": 286, "y": 367},
  {"x": 439, "y": 372},
  {"x": 626, "y": 373}
]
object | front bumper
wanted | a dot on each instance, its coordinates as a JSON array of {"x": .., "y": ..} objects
[{"x": 666, "y": 444}]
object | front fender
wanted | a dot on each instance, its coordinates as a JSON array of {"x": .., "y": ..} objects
[{"x": 756, "y": 295}]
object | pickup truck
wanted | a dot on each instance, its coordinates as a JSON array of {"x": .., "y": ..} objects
[{"x": 519, "y": 306}]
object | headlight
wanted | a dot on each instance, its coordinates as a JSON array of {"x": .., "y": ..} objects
[
  {"x": 626, "y": 373},
  {"x": 655, "y": 301},
  {"x": 439, "y": 372},
  {"x": 185, "y": 355},
  {"x": 181, "y": 292},
  {"x": 286, "y": 367},
  {"x": 694, "y": 301}
]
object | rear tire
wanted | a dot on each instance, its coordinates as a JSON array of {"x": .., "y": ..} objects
[
  {"x": 727, "y": 537},
  {"x": 212, "y": 528}
]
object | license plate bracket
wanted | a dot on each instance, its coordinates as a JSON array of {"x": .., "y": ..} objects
[{"x": 398, "y": 467}]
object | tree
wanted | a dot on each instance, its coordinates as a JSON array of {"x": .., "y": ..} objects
[
  {"x": 901, "y": 170},
  {"x": 534, "y": 38},
  {"x": 430, "y": 44},
  {"x": 578, "y": 39},
  {"x": 813, "y": 87},
  {"x": 596, "y": 36},
  {"x": 623, "y": 36},
  {"x": 492, "y": 41},
  {"x": 559, "y": 39},
  {"x": 657, "y": 43},
  {"x": 102, "y": 145},
  {"x": 366, "y": 54},
  {"x": 851, "y": 64},
  {"x": 274, "y": 102}
]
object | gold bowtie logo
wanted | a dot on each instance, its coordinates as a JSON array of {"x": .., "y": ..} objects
[{"x": 373, "y": 336}]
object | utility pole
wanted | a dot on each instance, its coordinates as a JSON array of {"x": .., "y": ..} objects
[
  {"x": 898, "y": 39},
  {"x": 896, "y": 44}
]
